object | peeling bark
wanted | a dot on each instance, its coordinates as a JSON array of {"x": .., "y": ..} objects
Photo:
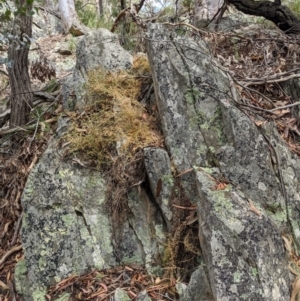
[
  {"x": 21, "y": 96},
  {"x": 279, "y": 14}
]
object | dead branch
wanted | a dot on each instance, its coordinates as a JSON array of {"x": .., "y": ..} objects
[
  {"x": 279, "y": 14},
  {"x": 42, "y": 97},
  {"x": 132, "y": 11},
  {"x": 276, "y": 78}
]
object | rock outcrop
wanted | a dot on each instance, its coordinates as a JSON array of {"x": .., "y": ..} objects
[
  {"x": 243, "y": 180},
  {"x": 239, "y": 227}
]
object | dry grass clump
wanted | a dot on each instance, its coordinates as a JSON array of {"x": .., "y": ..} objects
[{"x": 115, "y": 124}]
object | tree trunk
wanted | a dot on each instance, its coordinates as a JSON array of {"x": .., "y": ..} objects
[
  {"x": 67, "y": 13},
  {"x": 100, "y": 10},
  {"x": 21, "y": 95},
  {"x": 279, "y": 14},
  {"x": 206, "y": 9},
  {"x": 123, "y": 4}
]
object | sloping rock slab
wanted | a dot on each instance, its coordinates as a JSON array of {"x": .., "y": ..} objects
[
  {"x": 66, "y": 227},
  {"x": 245, "y": 255},
  {"x": 161, "y": 181},
  {"x": 241, "y": 236}
]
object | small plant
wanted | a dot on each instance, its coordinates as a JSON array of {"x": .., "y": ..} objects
[{"x": 72, "y": 44}]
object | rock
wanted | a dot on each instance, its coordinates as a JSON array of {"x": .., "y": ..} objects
[
  {"x": 97, "y": 49},
  {"x": 158, "y": 167},
  {"x": 146, "y": 221},
  {"x": 100, "y": 49},
  {"x": 64, "y": 230},
  {"x": 242, "y": 247},
  {"x": 46, "y": 22},
  {"x": 67, "y": 230},
  {"x": 288, "y": 214},
  {"x": 23, "y": 285},
  {"x": 239, "y": 228},
  {"x": 78, "y": 29},
  {"x": 143, "y": 296},
  {"x": 121, "y": 295},
  {"x": 198, "y": 288},
  {"x": 65, "y": 227},
  {"x": 187, "y": 87}
]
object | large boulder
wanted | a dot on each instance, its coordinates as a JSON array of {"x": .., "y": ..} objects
[
  {"x": 67, "y": 229},
  {"x": 211, "y": 142},
  {"x": 243, "y": 180}
]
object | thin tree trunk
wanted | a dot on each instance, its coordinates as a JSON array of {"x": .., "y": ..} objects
[
  {"x": 100, "y": 10},
  {"x": 123, "y": 4},
  {"x": 21, "y": 95},
  {"x": 68, "y": 13}
]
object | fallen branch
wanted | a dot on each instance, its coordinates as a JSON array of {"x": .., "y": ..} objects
[
  {"x": 26, "y": 128},
  {"x": 46, "y": 97},
  {"x": 285, "y": 107},
  {"x": 278, "y": 79}
]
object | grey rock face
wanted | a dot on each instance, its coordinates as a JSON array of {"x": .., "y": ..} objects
[
  {"x": 100, "y": 48},
  {"x": 198, "y": 288},
  {"x": 97, "y": 49},
  {"x": 242, "y": 246},
  {"x": 66, "y": 228},
  {"x": 209, "y": 141},
  {"x": 158, "y": 167},
  {"x": 188, "y": 84},
  {"x": 243, "y": 250},
  {"x": 46, "y": 23}
]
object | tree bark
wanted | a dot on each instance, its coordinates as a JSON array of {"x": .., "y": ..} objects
[
  {"x": 68, "y": 13},
  {"x": 206, "y": 9},
  {"x": 123, "y": 4},
  {"x": 21, "y": 95},
  {"x": 100, "y": 10},
  {"x": 279, "y": 14}
]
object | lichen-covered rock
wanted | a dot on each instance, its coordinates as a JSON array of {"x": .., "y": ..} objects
[
  {"x": 100, "y": 48},
  {"x": 198, "y": 288},
  {"x": 161, "y": 181},
  {"x": 148, "y": 225},
  {"x": 240, "y": 228},
  {"x": 121, "y": 295},
  {"x": 243, "y": 250},
  {"x": 67, "y": 230},
  {"x": 97, "y": 49},
  {"x": 288, "y": 170},
  {"x": 188, "y": 85}
]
